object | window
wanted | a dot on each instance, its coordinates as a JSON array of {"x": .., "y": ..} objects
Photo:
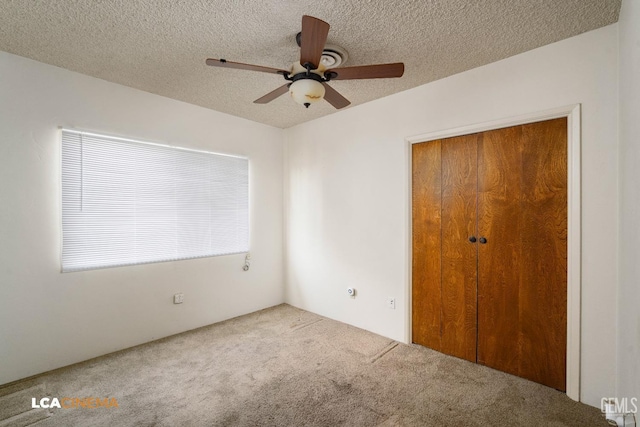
[{"x": 128, "y": 202}]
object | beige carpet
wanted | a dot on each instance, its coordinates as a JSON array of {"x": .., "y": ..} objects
[{"x": 287, "y": 367}]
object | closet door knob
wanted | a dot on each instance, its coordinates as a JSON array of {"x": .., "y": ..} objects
[
  {"x": 472, "y": 239},
  {"x": 483, "y": 240}
]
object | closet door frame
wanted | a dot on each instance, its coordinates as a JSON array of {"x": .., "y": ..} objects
[{"x": 574, "y": 215}]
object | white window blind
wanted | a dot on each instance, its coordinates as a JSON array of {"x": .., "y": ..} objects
[{"x": 127, "y": 202}]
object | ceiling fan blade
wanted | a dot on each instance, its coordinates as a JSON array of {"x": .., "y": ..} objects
[
  {"x": 334, "y": 98},
  {"x": 273, "y": 95},
  {"x": 240, "y": 66},
  {"x": 380, "y": 71},
  {"x": 312, "y": 40}
]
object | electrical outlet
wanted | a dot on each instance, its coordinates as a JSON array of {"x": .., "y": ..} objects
[
  {"x": 178, "y": 298},
  {"x": 391, "y": 303}
]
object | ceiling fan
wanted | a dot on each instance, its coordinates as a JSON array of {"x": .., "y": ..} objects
[{"x": 307, "y": 79}]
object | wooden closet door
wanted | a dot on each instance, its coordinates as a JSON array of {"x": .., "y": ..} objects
[
  {"x": 459, "y": 255},
  {"x": 522, "y": 267},
  {"x": 544, "y": 252},
  {"x": 444, "y": 272},
  {"x": 426, "y": 206},
  {"x": 499, "y": 221}
]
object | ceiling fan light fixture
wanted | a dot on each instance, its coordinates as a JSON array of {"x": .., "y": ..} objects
[{"x": 307, "y": 91}]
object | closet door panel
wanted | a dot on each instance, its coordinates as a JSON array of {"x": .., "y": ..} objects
[
  {"x": 426, "y": 207},
  {"x": 543, "y": 309},
  {"x": 522, "y": 213},
  {"x": 459, "y": 255},
  {"x": 499, "y": 259}
]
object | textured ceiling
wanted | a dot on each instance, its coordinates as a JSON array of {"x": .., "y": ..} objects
[{"x": 160, "y": 46}]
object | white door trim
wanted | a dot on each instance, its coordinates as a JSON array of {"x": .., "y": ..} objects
[{"x": 572, "y": 113}]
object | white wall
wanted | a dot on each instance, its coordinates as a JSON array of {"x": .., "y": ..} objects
[
  {"x": 629, "y": 289},
  {"x": 348, "y": 188},
  {"x": 49, "y": 319}
]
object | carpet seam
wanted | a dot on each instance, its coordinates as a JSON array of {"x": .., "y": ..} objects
[
  {"x": 305, "y": 325},
  {"x": 384, "y": 352}
]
